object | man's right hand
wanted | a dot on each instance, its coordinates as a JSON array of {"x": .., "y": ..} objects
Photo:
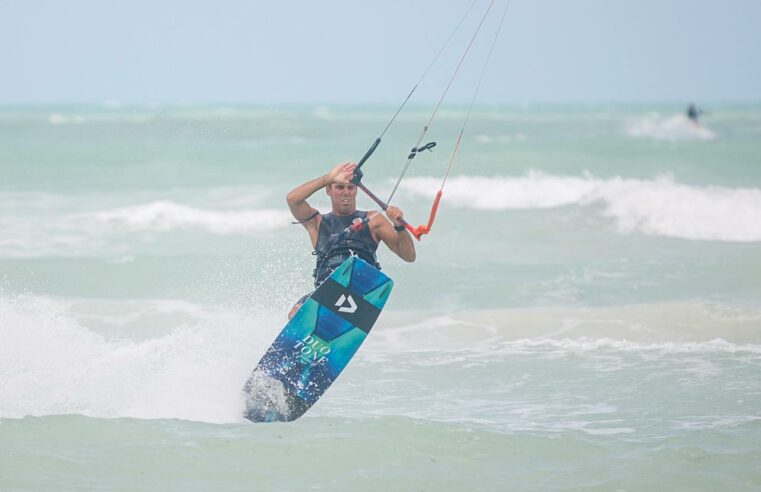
[{"x": 342, "y": 173}]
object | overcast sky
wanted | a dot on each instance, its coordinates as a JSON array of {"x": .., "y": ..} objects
[{"x": 341, "y": 51}]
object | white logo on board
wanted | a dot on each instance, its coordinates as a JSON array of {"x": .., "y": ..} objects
[{"x": 346, "y": 309}]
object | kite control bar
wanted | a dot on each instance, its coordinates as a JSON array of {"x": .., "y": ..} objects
[
  {"x": 383, "y": 205},
  {"x": 418, "y": 231}
]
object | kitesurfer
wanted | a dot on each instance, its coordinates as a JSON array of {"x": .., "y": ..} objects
[
  {"x": 331, "y": 240},
  {"x": 693, "y": 113}
]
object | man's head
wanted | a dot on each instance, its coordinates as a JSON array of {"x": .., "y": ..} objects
[{"x": 343, "y": 198}]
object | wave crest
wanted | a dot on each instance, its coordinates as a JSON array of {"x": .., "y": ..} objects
[
  {"x": 659, "y": 207},
  {"x": 166, "y": 215},
  {"x": 676, "y": 127}
]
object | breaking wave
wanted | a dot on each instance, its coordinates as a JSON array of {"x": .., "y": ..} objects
[
  {"x": 167, "y": 215},
  {"x": 659, "y": 207},
  {"x": 676, "y": 127}
]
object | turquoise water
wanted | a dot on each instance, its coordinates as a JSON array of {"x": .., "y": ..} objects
[{"x": 586, "y": 314}]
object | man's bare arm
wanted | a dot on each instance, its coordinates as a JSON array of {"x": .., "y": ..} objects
[
  {"x": 398, "y": 242},
  {"x": 297, "y": 198}
]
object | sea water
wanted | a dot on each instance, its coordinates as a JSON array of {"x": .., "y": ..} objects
[{"x": 585, "y": 314}]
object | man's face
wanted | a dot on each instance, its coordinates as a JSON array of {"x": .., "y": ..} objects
[{"x": 343, "y": 198}]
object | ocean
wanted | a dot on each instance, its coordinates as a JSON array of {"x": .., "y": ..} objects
[{"x": 585, "y": 314}]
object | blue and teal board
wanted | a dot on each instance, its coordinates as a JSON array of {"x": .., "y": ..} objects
[{"x": 317, "y": 343}]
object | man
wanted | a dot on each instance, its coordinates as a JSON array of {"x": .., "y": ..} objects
[
  {"x": 331, "y": 244},
  {"x": 693, "y": 113}
]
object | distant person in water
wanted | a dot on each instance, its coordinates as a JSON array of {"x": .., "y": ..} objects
[
  {"x": 693, "y": 113},
  {"x": 331, "y": 245}
]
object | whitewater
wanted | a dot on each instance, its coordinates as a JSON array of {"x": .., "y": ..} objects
[{"x": 585, "y": 315}]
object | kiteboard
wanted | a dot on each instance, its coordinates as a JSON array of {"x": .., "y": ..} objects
[{"x": 317, "y": 343}]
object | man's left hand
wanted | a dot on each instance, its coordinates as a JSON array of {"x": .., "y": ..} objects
[{"x": 395, "y": 214}]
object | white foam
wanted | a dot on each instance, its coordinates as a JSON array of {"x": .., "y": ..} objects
[
  {"x": 669, "y": 327},
  {"x": 44, "y": 224},
  {"x": 504, "y": 138},
  {"x": 111, "y": 104},
  {"x": 322, "y": 113},
  {"x": 660, "y": 207},
  {"x": 173, "y": 359},
  {"x": 676, "y": 127},
  {"x": 165, "y": 215},
  {"x": 60, "y": 119},
  {"x": 613, "y": 345},
  {"x": 190, "y": 365}
]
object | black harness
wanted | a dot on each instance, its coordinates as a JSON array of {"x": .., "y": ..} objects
[{"x": 339, "y": 237}]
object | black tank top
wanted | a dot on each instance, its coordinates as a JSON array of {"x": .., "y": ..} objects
[{"x": 334, "y": 247}]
